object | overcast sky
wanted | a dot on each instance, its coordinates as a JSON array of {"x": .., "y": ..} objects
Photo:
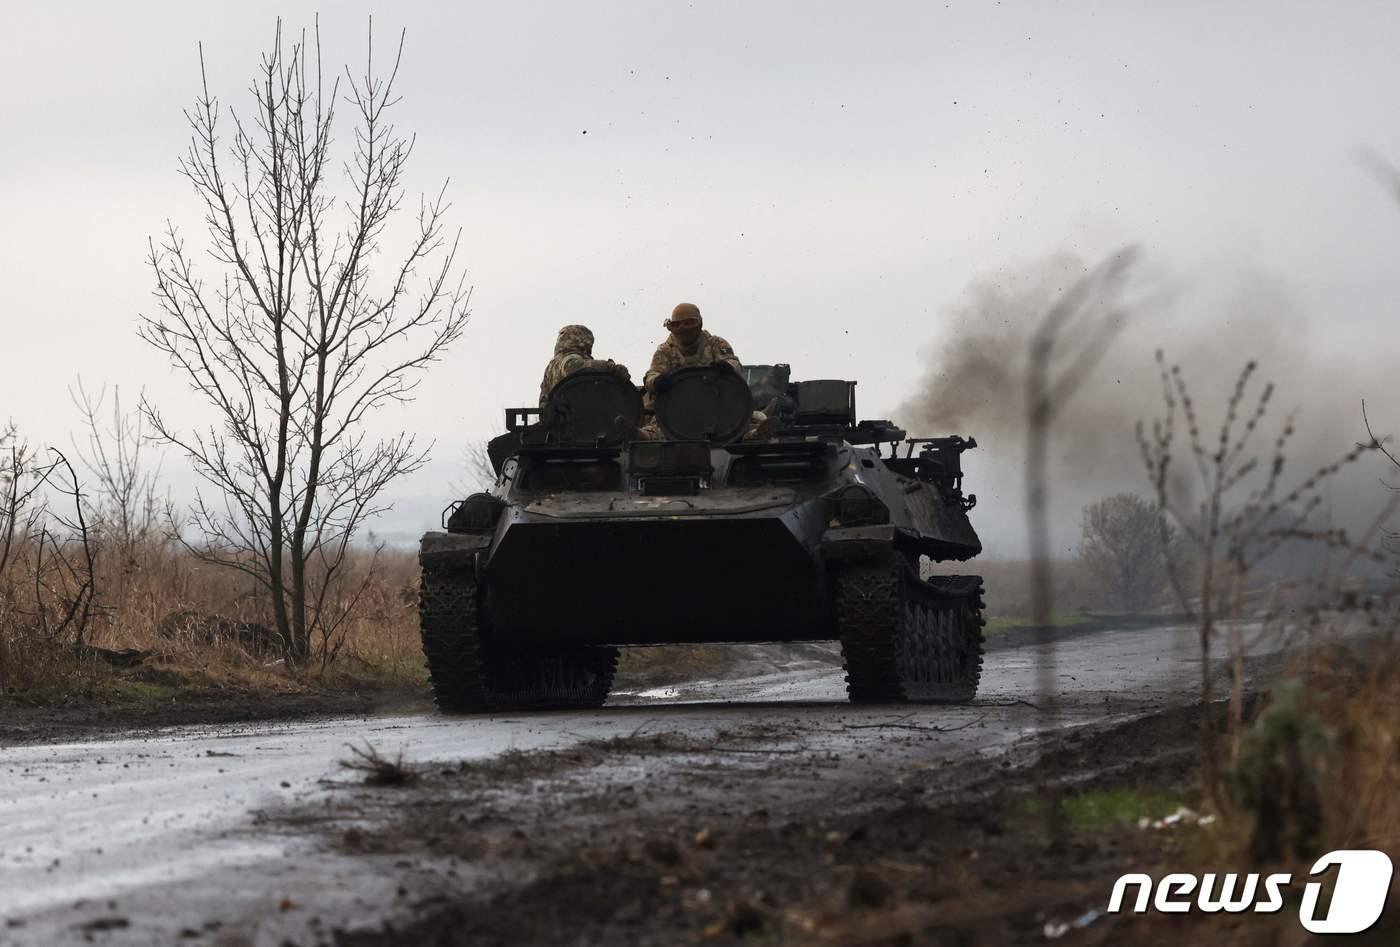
[{"x": 822, "y": 179}]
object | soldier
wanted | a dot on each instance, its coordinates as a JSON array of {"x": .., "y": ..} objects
[
  {"x": 690, "y": 345},
  {"x": 574, "y": 351}
]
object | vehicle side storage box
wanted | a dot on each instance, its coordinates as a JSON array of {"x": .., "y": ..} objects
[{"x": 829, "y": 401}]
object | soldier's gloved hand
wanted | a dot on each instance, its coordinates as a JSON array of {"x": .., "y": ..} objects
[{"x": 621, "y": 372}]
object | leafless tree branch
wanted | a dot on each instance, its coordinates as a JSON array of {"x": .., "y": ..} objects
[{"x": 302, "y": 340}]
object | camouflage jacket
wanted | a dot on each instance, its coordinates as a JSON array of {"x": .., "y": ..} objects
[
  {"x": 572, "y": 352},
  {"x": 707, "y": 350}
]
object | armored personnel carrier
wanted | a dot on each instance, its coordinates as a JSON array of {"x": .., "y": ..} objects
[{"x": 593, "y": 539}]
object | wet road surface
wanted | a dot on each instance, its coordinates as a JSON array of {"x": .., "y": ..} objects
[{"x": 154, "y": 839}]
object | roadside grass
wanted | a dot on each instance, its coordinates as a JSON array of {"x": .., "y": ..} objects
[
  {"x": 163, "y": 678},
  {"x": 1315, "y": 769},
  {"x": 115, "y": 689},
  {"x": 375, "y": 651},
  {"x": 1102, "y": 809},
  {"x": 39, "y": 672}
]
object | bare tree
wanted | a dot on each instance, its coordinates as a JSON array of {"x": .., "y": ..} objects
[
  {"x": 1246, "y": 514},
  {"x": 21, "y": 504},
  {"x": 1121, "y": 547},
  {"x": 66, "y": 584},
  {"x": 48, "y": 559},
  {"x": 124, "y": 486},
  {"x": 477, "y": 472},
  {"x": 305, "y": 332}
]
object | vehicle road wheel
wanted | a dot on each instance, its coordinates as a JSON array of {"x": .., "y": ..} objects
[
  {"x": 448, "y": 619},
  {"x": 945, "y": 656},
  {"x": 908, "y": 639},
  {"x": 470, "y": 674}
]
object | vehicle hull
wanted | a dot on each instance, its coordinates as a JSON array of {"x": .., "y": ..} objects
[{"x": 657, "y": 581}]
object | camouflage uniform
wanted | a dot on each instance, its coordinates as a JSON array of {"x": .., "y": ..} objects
[
  {"x": 687, "y": 349},
  {"x": 708, "y": 349},
  {"x": 572, "y": 352}
]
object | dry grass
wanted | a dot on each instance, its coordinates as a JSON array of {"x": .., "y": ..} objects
[
  {"x": 1316, "y": 773},
  {"x": 1364, "y": 808},
  {"x": 376, "y": 769},
  {"x": 379, "y": 646},
  {"x": 35, "y": 667},
  {"x": 1326, "y": 750},
  {"x": 90, "y": 579}
]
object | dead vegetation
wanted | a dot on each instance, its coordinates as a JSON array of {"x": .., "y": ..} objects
[
  {"x": 1359, "y": 775},
  {"x": 376, "y": 769},
  {"x": 48, "y": 559},
  {"x": 166, "y": 624},
  {"x": 1235, "y": 508},
  {"x": 99, "y": 602}
]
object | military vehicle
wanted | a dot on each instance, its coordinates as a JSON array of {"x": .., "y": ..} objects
[{"x": 598, "y": 535}]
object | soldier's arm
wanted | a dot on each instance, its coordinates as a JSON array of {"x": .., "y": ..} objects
[
  {"x": 571, "y": 363},
  {"x": 659, "y": 364},
  {"x": 724, "y": 352},
  {"x": 607, "y": 364}
]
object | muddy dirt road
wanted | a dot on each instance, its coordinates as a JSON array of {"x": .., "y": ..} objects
[{"x": 254, "y": 834}]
